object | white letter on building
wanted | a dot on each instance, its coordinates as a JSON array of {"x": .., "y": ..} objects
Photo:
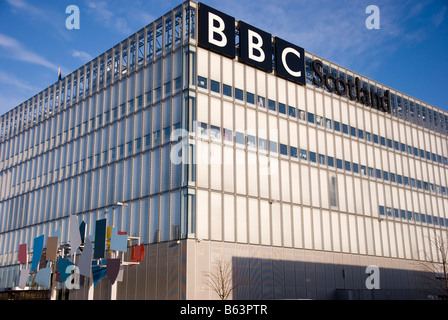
[
  {"x": 255, "y": 46},
  {"x": 373, "y": 21},
  {"x": 72, "y": 21},
  {"x": 296, "y": 74},
  {"x": 72, "y": 277},
  {"x": 373, "y": 280},
  {"x": 219, "y": 30}
]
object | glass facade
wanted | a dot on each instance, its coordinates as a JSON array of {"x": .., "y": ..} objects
[
  {"x": 96, "y": 138},
  {"x": 300, "y": 167},
  {"x": 265, "y": 161}
]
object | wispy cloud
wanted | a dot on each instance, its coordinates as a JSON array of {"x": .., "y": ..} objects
[
  {"x": 100, "y": 7},
  {"x": 8, "y": 42},
  {"x": 438, "y": 18},
  {"x": 11, "y": 80},
  {"x": 82, "y": 55},
  {"x": 335, "y": 30},
  {"x": 13, "y": 91},
  {"x": 111, "y": 14},
  {"x": 101, "y": 11},
  {"x": 15, "y": 50},
  {"x": 53, "y": 19},
  {"x": 329, "y": 29},
  {"x": 21, "y": 4}
]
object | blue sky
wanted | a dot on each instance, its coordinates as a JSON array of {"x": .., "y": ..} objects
[{"x": 408, "y": 53}]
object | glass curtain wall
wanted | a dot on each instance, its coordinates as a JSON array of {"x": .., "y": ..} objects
[
  {"x": 285, "y": 165},
  {"x": 98, "y": 137}
]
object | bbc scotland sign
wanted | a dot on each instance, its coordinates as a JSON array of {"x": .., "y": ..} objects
[
  {"x": 217, "y": 33},
  {"x": 257, "y": 48}
]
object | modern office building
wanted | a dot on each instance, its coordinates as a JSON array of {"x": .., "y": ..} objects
[{"x": 206, "y": 139}]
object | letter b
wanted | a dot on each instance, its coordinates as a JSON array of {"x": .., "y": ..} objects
[
  {"x": 255, "y": 47},
  {"x": 216, "y": 31},
  {"x": 212, "y": 30}
]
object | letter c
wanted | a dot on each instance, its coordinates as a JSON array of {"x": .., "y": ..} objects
[{"x": 296, "y": 74}]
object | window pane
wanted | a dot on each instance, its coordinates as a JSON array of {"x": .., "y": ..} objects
[
  {"x": 310, "y": 117},
  {"x": 262, "y": 144},
  {"x": 239, "y": 137},
  {"x": 239, "y": 94},
  {"x": 339, "y": 163},
  {"x": 330, "y": 161},
  {"x": 292, "y": 111},
  {"x": 250, "y": 98},
  {"x": 284, "y": 149},
  {"x": 281, "y": 108},
  {"x": 202, "y": 82},
  {"x": 337, "y": 126},
  {"x": 227, "y": 90},
  {"x": 214, "y": 86},
  {"x": 293, "y": 152}
]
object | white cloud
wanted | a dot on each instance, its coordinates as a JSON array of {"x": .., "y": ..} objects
[
  {"x": 84, "y": 56},
  {"x": 11, "y": 80},
  {"x": 13, "y": 91},
  {"x": 21, "y": 4},
  {"x": 336, "y": 30},
  {"x": 102, "y": 13},
  {"x": 8, "y": 42},
  {"x": 439, "y": 17},
  {"x": 112, "y": 15},
  {"x": 54, "y": 19},
  {"x": 121, "y": 24},
  {"x": 16, "y": 51},
  {"x": 101, "y": 8}
]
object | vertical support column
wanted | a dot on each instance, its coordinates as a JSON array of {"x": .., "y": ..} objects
[
  {"x": 113, "y": 291},
  {"x": 91, "y": 290},
  {"x": 53, "y": 289}
]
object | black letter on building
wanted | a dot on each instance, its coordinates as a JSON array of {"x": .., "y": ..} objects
[
  {"x": 375, "y": 100},
  {"x": 351, "y": 90},
  {"x": 341, "y": 87},
  {"x": 318, "y": 76},
  {"x": 255, "y": 47},
  {"x": 385, "y": 102},
  {"x": 329, "y": 86},
  {"x": 365, "y": 97},
  {"x": 216, "y": 31}
]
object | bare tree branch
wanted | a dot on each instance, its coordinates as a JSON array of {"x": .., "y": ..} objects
[
  {"x": 222, "y": 280},
  {"x": 435, "y": 263}
]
